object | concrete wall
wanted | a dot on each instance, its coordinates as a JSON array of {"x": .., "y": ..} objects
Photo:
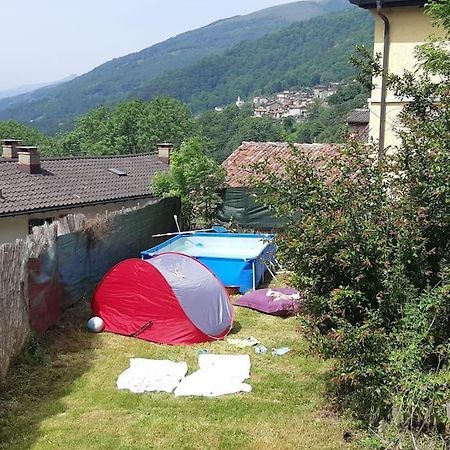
[
  {"x": 410, "y": 26},
  {"x": 12, "y": 228}
]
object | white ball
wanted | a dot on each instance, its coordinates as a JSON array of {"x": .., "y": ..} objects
[{"x": 95, "y": 325}]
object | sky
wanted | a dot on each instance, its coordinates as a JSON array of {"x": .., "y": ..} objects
[{"x": 48, "y": 40}]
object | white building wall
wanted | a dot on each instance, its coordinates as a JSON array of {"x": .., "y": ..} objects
[
  {"x": 16, "y": 227},
  {"x": 409, "y": 27},
  {"x": 12, "y": 228}
]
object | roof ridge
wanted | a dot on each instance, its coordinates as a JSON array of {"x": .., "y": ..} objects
[
  {"x": 83, "y": 157},
  {"x": 283, "y": 143},
  {"x": 127, "y": 155},
  {"x": 265, "y": 142}
]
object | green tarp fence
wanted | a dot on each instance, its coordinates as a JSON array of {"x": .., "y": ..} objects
[
  {"x": 240, "y": 207},
  {"x": 83, "y": 259},
  {"x": 77, "y": 261}
]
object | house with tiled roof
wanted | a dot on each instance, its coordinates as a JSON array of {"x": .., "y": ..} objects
[
  {"x": 358, "y": 123},
  {"x": 239, "y": 165},
  {"x": 35, "y": 190},
  {"x": 239, "y": 197}
]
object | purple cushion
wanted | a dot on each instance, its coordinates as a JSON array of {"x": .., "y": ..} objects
[{"x": 260, "y": 301}]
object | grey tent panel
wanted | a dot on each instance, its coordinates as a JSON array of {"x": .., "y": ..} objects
[{"x": 201, "y": 295}]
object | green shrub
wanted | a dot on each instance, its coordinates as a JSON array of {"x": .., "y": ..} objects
[
  {"x": 368, "y": 242},
  {"x": 196, "y": 179}
]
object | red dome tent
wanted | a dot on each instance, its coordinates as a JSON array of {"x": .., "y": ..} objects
[{"x": 170, "y": 299}]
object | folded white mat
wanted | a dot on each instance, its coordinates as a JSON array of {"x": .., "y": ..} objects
[
  {"x": 150, "y": 375},
  {"x": 218, "y": 375}
]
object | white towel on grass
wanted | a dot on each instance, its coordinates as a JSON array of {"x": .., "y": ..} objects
[
  {"x": 151, "y": 375},
  {"x": 218, "y": 375}
]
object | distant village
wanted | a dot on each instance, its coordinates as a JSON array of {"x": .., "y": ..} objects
[{"x": 295, "y": 104}]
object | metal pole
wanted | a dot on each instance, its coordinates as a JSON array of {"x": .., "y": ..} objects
[
  {"x": 383, "y": 106},
  {"x": 183, "y": 232},
  {"x": 254, "y": 275},
  {"x": 176, "y": 221}
]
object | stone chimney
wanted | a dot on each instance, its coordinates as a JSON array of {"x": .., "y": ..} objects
[
  {"x": 29, "y": 160},
  {"x": 9, "y": 148},
  {"x": 164, "y": 150}
]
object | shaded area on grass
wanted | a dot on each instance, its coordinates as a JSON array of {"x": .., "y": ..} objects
[
  {"x": 237, "y": 327},
  {"x": 42, "y": 376}
]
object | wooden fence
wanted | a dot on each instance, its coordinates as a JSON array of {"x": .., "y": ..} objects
[{"x": 14, "y": 278}]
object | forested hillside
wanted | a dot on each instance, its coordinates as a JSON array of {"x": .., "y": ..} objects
[
  {"x": 304, "y": 54},
  {"x": 53, "y": 109},
  {"x": 136, "y": 126}
]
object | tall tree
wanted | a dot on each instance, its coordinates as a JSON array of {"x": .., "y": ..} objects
[
  {"x": 196, "y": 179},
  {"x": 29, "y": 136},
  {"x": 130, "y": 127}
]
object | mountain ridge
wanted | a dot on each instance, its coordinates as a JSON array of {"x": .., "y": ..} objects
[
  {"x": 27, "y": 88},
  {"x": 53, "y": 108},
  {"x": 287, "y": 59}
]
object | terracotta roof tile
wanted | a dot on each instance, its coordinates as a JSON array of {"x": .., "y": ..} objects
[
  {"x": 68, "y": 182},
  {"x": 238, "y": 165}
]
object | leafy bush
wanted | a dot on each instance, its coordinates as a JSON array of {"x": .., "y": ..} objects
[{"x": 368, "y": 243}]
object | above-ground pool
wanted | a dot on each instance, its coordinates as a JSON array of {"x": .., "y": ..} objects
[{"x": 236, "y": 259}]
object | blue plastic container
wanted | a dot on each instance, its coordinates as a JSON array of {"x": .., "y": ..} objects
[{"x": 236, "y": 259}]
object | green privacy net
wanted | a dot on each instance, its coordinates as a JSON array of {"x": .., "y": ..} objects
[
  {"x": 71, "y": 268},
  {"x": 240, "y": 207}
]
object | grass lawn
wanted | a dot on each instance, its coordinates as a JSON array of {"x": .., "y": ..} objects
[{"x": 66, "y": 397}]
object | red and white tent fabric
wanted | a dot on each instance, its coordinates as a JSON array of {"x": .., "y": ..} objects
[{"x": 169, "y": 299}]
